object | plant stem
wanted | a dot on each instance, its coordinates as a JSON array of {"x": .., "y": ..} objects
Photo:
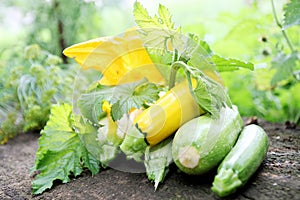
[
  {"x": 173, "y": 72},
  {"x": 60, "y": 29},
  {"x": 280, "y": 26},
  {"x": 174, "y": 68}
]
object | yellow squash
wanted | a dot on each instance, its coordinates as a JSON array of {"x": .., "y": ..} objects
[{"x": 164, "y": 117}]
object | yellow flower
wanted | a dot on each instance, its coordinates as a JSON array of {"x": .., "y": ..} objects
[
  {"x": 121, "y": 59},
  {"x": 106, "y": 107}
]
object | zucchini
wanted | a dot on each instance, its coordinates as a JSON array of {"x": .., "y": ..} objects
[
  {"x": 202, "y": 143},
  {"x": 163, "y": 118},
  {"x": 160, "y": 120},
  {"x": 242, "y": 161}
]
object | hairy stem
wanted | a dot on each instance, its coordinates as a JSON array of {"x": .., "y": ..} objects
[
  {"x": 280, "y": 26},
  {"x": 174, "y": 68},
  {"x": 173, "y": 73}
]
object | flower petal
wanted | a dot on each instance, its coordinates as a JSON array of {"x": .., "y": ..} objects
[{"x": 121, "y": 59}]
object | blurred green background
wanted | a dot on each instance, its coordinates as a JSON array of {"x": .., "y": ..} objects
[{"x": 34, "y": 33}]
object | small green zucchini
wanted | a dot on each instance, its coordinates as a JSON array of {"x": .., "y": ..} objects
[
  {"x": 202, "y": 143},
  {"x": 242, "y": 161}
]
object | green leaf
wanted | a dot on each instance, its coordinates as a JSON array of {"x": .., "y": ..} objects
[
  {"x": 146, "y": 93},
  {"x": 144, "y": 20},
  {"x": 284, "y": 65},
  {"x": 197, "y": 52},
  {"x": 165, "y": 17},
  {"x": 291, "y": 14},
  {"x": 132, "y": 95},
  {"x": 122, "y": 98},
  {"x": 158, "y": 31},
  {"x": 88, "y": 135},
  {"x": 110, "y": 136},
  {"x": 61, "y": 152},
  {"x": 199, "y": 55},
  {"x": 210, "y": 95},
  {"x": 102, "y": 142},
  {"x": 90, "y": 104},
  {"x": 157, "y": 161},
  {"x": 230, "y": 64},
  {"x": 194, "y": 47}
]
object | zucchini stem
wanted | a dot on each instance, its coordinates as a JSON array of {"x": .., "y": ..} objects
[{"x": 188, "y": 157}]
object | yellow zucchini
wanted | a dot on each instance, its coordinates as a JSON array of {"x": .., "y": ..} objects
[
  {"x": 163, "y": 118},
  {"x": 160, "y": 120}
]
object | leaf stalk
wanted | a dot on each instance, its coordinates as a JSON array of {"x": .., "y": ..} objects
[{"x": 281, "y": 27}]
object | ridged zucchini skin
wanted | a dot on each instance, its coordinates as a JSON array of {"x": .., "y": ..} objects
[
  {"x": 242, "y": 161},
  {"x": 201, "y": 144}
]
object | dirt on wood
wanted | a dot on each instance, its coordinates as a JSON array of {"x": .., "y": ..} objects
[{"x": 277, "y": 178}]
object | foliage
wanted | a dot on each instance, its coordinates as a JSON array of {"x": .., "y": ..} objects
[
  {"x": 56, "y": 24},
  {"x": 56, "y": 27},
  {"x": 193, "y": 55},
  {"x": 285, "y": 64},
  {"x": 122, "y": 99},
  {"x": 34, "y": 76},
  {"x": 61, "y": 151},
  {"x": 29, "y": 89},
  {"x": 292, "y": 14},
  {"x": 262, "y": 42},
  {"x": 35, "y": 79},
  {"x": 273, "y": 49},
  {"x": 109, "y": 103}
]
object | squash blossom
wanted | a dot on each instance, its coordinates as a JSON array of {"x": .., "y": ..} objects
[
  {"x": 121, "y": 59},
  {"x": 106, "y": 107}
]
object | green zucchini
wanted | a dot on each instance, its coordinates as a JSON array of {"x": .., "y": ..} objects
[
  {"x": 202, "y": 143},
  {"x": 242, "y": 161}
]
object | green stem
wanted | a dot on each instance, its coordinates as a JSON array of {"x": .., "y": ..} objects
[
  {"x": 174, "y": 68},
  {"x": 280, "y": 26},
  {"x": 287, "y": 40}
]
